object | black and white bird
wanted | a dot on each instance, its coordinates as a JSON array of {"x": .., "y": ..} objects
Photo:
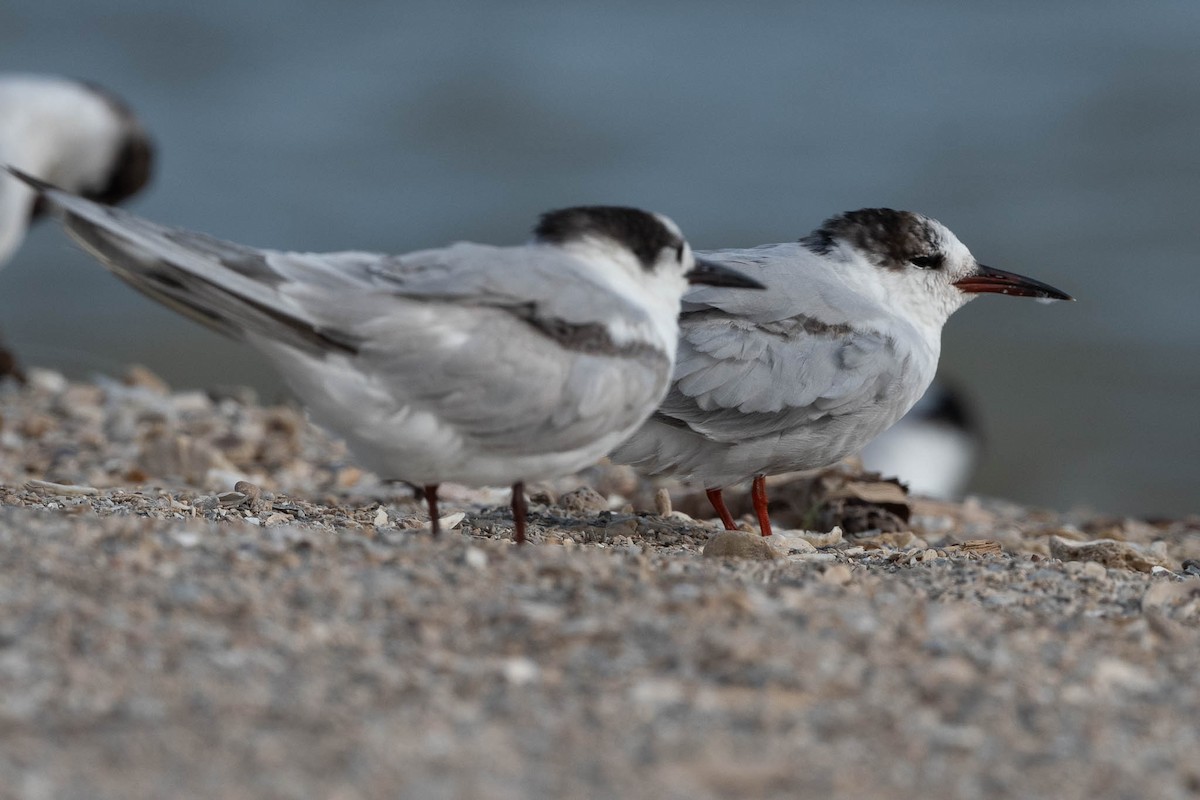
[
  {"x": 71, "y": 133},
  {"x": 933, "y": 449},
  {"x": 843, "y": 342},
  {"x": 474, "y": 364}
]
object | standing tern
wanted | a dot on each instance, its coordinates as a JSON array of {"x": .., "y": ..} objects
[
  {"x": 843, "y": 342},
  {"x": 475, "y": 364}
]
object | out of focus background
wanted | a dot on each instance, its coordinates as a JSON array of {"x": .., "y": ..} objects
[{"x": 1057, "y": 140}]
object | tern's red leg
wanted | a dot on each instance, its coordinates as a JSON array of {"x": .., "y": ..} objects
[
  {"x": 758, "y": 493},
  {"x": 718, "y": 504},
  {"x": 519, "y": 509},
  {"x": 431, "y": 500}
]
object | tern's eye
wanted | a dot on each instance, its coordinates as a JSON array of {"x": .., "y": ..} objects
[
  {"x": 933, "y": 261},
  {"x": 679, "y": 253}
]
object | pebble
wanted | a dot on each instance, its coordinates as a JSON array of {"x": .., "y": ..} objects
[
  {"x": 476, "y": 558},
  {"x": 662, "y": 502},
  {"x": 61, "y": 488},
  {"x": 739, "y": 544},
  {"x": 452, "y": 521},
  {"x": 827, "y": 539},
  {"x": 521, "y": 671},
  {"x": 582, "y": 500},
  {"x": 837, "y": 575}
]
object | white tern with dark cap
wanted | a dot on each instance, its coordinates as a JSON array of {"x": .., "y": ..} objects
[
  {"x": 474, "y": 364},
  {"x": 933, "y": 449},
  {"x": 73, "y": 134},
  {"x": 843, "y": 342}
]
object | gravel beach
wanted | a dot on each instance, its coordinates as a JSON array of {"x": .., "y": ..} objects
[{"x": 203, "y": 597}]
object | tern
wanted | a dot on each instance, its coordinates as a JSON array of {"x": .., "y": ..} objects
[
  {"x": 475, "y": 364},
  {"x": 842, "y": 343}
]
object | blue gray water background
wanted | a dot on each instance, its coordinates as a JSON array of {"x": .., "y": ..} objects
[{"x": 1060, "y": 140}]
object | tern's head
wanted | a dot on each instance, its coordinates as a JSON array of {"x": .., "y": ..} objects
[
  {"x": 132, "y": 158},
  {"x": 915, "y": 261},
  {"x": 647, "y": 248},
  {"x": 73, "y": 134}
]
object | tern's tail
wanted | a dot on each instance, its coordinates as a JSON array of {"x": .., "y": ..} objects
[{"x": 233, "y": 289}]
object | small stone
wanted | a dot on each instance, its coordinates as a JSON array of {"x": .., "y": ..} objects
[
  {"x": 476, "y": 558},
  {"x": 451, "y": 521},
  {"x": 186, "y": 538},
  {"x": 817, "y": 539},
  {"x": 47, "y": 487},
  {"x": 790, "y": 543},
  {"x": 837, "y": 575},
  {"x": 737, "y": 544},
  {"x": 232, "y": 499},
  {"x": 583, "y": 500},
  {"x": 662, "y": 502},
  {"x": 1109, "y": 552},
  {"x": 381, "y": 518},
  {"x": 1094, "y": 570},
  {"x": 520, "y": 671},
  {"x": 249, "y": 489},
  {"x": 47, "y": 381}
]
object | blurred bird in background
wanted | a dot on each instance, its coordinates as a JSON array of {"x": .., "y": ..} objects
[{"x": 73, "y": 134}]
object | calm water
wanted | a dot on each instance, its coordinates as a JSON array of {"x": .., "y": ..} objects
[{"x": 1061, "y": 141}]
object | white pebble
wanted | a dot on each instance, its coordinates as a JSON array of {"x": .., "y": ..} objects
[
  {"x": 186, "y": 538},
  {"x": 451, "y": 521},
  {"x": 476, "y": 558},
  {"x": 520, "y": 671}
]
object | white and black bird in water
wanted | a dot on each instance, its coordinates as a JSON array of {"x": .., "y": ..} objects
[
  {"x": 74, "y": 134},
  {"x": 474, "y": 364},
  {"x": 843, "y": 342},
  {"x": 933, "y": 449}
]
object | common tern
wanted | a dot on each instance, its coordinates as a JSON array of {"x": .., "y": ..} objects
[
  {"x": 475, "y": 364},
  {"x": 843, "y": 342}
]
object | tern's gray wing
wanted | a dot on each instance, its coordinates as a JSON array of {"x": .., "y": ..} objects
[
  {"x": 761, "y": 366},
  {"x": 463, "y": 332},
  {"x": 319, "y": 301}
]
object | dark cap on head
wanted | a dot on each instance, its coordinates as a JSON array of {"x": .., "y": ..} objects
[
  {"x": 640, "y": 231},
  {"x": 135, "y": 159},
  {"x": 890, "y": 238}
]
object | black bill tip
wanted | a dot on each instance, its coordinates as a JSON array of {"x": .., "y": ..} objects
[{"x": 997, "y": 281}]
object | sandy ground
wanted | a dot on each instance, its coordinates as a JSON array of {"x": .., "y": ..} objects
[{"x": 163, "y": 635}]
